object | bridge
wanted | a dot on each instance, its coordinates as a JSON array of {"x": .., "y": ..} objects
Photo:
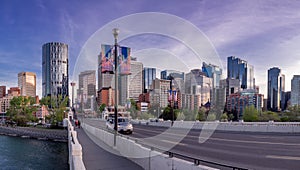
[{"x": 234, "y": 145}]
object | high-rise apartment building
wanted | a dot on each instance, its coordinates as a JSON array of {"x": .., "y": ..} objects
[
  {"x": 149, "y": 74},
  {"x": 27, "y": 83},
  {"x": 276, "y": 88},
  {"x": 197, "y": 83},
  {"x": 295, "y": 90},
  {"x": 2, "y": 91},
  {"x": 176, "y": 76},
  {"x": 87, "y": 87},
  {"x": 55, "y": 70},
  {"x": 131, "y": 86},
  {"x": 240, "y": 69},
  {"x": 160, "y": 93}
]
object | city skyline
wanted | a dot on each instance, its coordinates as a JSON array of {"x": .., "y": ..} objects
[{"x": 264, "y": 34}]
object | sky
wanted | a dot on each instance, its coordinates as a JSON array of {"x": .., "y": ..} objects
[{"x": 264, "y": 33}]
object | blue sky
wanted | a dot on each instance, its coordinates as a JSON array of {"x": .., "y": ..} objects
[{"x": 264, "y": 33}]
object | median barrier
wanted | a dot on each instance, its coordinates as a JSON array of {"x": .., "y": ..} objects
[
  {"x": 143, "y": 156},
  {"x": 278, "y": 127}
]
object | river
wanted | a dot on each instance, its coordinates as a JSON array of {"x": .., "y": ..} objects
[{"x": 19, "y": 153}]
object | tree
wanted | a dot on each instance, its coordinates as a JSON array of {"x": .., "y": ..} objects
[
  {"x": 180, "y": 116},
  {"x": 224, "y": 117},
  {"x": 211, "y": 117},
  {"x": 102, "y": 107},
  {"x": 190, "y": 115},
  {"x": 169, "y": 113},
  {"x": 21, "y": 110},
  {"x": 250, "y": 114},
  {"x": 201, "y": 114},
  {"x": 267, "y": 116},
  {"x": 56, "y": 107}
]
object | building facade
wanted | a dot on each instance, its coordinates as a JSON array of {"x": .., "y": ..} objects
[
  {"x": 2, "y": 91},
  {"x": 160, "y": 93},
  {"x": 55, "y": 70},
  {"x": 87, "y": 87},
  {"x": 215, "y": 73},
  {"x": 276, "y": 88},
  {"x": 295, "y": 90},
  {"x": 238, "y": 101},
  {"x": 240, "y": 69},
  {"x": 149, "y": 74},
  {"x": 197, "y": 83},
  {"x": 27, "y": 83}
]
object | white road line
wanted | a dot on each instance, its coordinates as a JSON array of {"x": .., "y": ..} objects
[
  {"x": 231, "y": 140},
  {"x": 283, "y": 157},
  {"x": 175, "y": 143}
]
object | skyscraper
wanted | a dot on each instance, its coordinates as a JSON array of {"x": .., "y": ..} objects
[
  {"x": 276, "y": 88},
  {"x": 136, "y": 80},
  {"x": 149, "y": 74},
  {"x": 295, "y": 92},
  {"x": 214, "y": 72},
  {"x": 27, "y": 83},
  {"x": 197, "y": 83},
  {"x": 240, "y": 69},
  {"x": 55, "y": 70},
  {"x": 177, "y": 78},
  {"x": 87, "y": 86}
]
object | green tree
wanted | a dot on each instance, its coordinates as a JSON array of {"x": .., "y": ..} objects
[
  {"x": 146, "y": 116},
  {"x": 250, "y": 114},
  {"x": 201, "y": 114},
  {"x": 180, "y": 116},
  {"x": 21, "y": 110},
  {"x": 169, "y": 114},
  {"x": 56, "y": 107},
  {"x": 211, "y": 117},
  {"x": 190, "y": 115},
  {"x": 267, "y": 116},
  {"x": 230, "y": 117},
  {"x": 102, "y": 107},
  {"x": 224, "y": 117}
]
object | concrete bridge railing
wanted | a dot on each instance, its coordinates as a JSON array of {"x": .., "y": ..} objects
[
  {"x": 278, "y": 127},
  {"x": 75, "y": 149}
]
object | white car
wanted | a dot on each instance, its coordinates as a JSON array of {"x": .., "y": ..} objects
[{"x": 124, "y": 125}]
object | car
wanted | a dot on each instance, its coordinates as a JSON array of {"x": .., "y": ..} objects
[{"x": 124, "y": 125}]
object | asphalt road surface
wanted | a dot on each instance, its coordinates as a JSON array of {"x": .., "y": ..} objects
[{"x": 244, "y": 150}]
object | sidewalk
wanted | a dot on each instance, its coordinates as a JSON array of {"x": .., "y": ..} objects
[{"x": 94, "y": 157}]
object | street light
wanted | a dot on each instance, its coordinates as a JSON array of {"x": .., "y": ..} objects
[{"x": 115, "y": 33}]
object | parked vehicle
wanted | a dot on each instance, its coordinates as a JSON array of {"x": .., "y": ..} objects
[{"x": 124, "y": 125}]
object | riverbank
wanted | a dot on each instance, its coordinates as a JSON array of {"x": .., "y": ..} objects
[{"x": 58, "y": 135}]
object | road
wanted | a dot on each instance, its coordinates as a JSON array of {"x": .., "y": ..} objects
[{"x": 246, "y": 150}]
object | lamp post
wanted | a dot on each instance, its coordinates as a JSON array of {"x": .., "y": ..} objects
[{"x": 115, "y": 33}]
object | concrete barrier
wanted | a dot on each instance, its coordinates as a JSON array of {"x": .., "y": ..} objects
[
  {"x": 278, "y": 127},
  {"x": 75, "y": 150},
  {"x": 145, "y": 157}
]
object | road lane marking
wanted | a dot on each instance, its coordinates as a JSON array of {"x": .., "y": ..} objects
[
  {"x": 284, "y": 157},
  {"x": 228, "y": 140},
  {"x": 174, "y": 143}
]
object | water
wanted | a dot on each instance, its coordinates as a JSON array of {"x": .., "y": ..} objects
[{"x": 19, "y": 153}]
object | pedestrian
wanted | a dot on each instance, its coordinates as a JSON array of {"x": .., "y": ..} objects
[{"x": 78, "y": 124}]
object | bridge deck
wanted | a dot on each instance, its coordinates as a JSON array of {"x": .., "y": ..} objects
[{"x": 95, "y": 157}]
